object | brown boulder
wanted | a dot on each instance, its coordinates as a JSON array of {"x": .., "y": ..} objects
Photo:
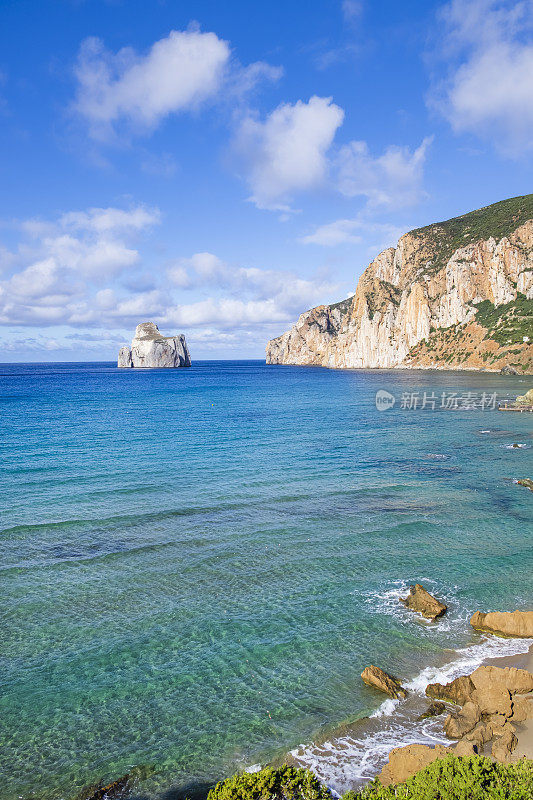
[
  {"x": 522, "y": 708},
  {"x": 516, "y": 681},
  {"x": 376, "y": 677},
  {"x": 503, "y": 747},
  {"x": 456, "y": 725},
  {"x": 465, "y": 749},
  {"x": 458, "y": 691},
  {"x": 483, "y": 732},
  {"x": 423, "y": 602},
  {"x": 406, "y": 761},
  {"x": 495, "y": 687},
  {"x": 504, "y": 623}
]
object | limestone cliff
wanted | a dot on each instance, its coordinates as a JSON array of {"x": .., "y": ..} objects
[
  {"x": 454, "y": 295},
  {"x": 149, "y": 349}
]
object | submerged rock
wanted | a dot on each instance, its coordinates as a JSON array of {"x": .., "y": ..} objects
[
  {"x": 423, "y": 602},
  {"x": 504, "y": 623},
  {"x": 433, "y": 710},
  {"x": 149, "y": 349},
  {"x": 112, "y": 791},
  {"x": 376, "y": 677},
  {"x": 117, "y": 789}
]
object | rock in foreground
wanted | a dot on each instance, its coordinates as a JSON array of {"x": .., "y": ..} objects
[
  {"x": 376, "y": 677},
  {"x": 504, "y": 623},
  {"x": 423, "y": 602},
  {"x": 149, "y": 349}
]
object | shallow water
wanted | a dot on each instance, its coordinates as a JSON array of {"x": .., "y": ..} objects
[{"x": 197, "y": 564}]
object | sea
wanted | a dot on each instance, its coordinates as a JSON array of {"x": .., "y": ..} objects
[{"x": 197, "y": 564}]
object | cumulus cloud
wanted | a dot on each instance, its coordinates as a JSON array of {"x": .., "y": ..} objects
[
  {"x": 489, "y": 47},
  {"x": 393, "y": 179},
  {"x": 51, "y": 273},
  {"x": 68, "y": 272},
  {"x": 286, "y": 153},
  {"x": 179, "y": 73}
]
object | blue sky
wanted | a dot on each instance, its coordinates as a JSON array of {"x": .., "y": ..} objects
[{"x": 221, "y": 167}]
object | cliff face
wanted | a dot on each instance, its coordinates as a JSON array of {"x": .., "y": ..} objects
[
  {"x": 149, "y": 349},
  {"x": 454, "y": 295}
]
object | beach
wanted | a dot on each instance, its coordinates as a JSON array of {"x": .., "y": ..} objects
[
  {"x": 525, "y": 729},
  {"x": 350, "y": 755}
]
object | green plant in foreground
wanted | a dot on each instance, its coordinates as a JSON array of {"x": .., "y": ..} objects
[
  {"x": 285, "y": 783},
  {"x": 451, "y": 778}
]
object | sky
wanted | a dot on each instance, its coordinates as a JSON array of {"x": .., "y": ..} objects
[{"x": 220, "y": 167}]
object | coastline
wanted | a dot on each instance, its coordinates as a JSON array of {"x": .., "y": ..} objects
[{"x": 353, "y": 753}]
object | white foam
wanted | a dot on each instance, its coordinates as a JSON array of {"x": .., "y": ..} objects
[
  {"x": 349, "y": 760},
  {"x": 387, "y": 708}
]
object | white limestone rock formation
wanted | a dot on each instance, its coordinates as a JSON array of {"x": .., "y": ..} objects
[
  {"x": 149, "y": 349},
  {"x": 453, "y": 295}
]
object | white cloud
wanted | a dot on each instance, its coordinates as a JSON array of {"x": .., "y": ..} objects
[
  {"x": 286, "y": 153},
  {"x": 36, "y": 280},
  {"x": 354, "y": 231},
  {"x": 70, "y": 276},
  {"x": 51, "y": 276},
  {"x": 106, "y": 220},
  {"x": 393, "y": 179},
  {"x": 351, "y": 10},
  {"x": 489, "y": 89},
  {"x": 178, "y": 73},
  {"x": 341, "y": 231}
]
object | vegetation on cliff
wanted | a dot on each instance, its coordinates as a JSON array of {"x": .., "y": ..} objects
[
  {"x": 497, "y": 220},
  {"x": 509, "y": 323},
  {"x": 451, "y": 295}
]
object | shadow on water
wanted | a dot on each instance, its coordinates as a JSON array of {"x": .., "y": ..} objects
[{"x": 196, "y": 790}]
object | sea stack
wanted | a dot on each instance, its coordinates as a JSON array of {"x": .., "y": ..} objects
[{"x": 150, "y": 350}]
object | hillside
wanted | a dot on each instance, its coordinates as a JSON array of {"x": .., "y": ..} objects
[{"x": 452, "y": 295}]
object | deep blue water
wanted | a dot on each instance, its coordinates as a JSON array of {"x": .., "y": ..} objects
[{"x": 197, "y": 564}]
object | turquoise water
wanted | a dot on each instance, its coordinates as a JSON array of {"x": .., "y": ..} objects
[{"x": 197, "y": 564}]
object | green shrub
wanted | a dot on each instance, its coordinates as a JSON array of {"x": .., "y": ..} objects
[
  {"x": 451, "y": 778},
  {"x": 285, "y": 783},
  {"x": 498, "y": 220}
]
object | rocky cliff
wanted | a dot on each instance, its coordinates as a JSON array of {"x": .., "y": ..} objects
[
  {"x": 149, "y": 349},
  {"x": 454, "y": 295}
]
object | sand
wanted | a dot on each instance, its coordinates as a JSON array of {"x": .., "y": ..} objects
[{"x": 524, "y": 731}]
